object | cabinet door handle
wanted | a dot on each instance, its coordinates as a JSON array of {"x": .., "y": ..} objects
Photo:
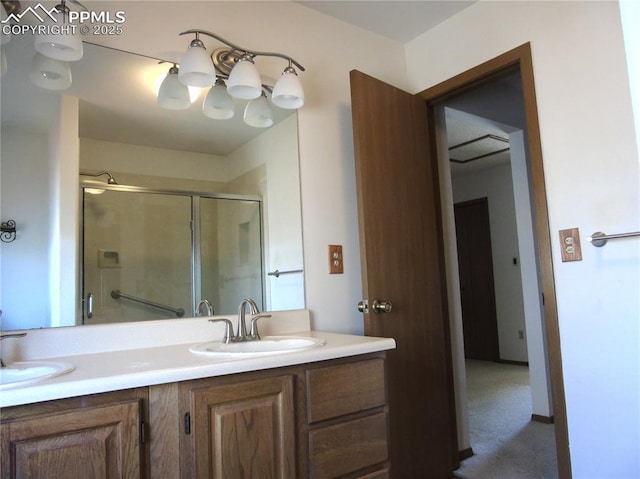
[{"x": 187, "y": 423}]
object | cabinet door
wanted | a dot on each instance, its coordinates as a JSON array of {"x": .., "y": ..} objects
[
  {"x": 242, "y": 430},
  {"x": 92, "y": 442}
]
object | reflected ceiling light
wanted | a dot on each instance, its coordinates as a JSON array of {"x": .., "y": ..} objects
[
  {"x": 258, "y": 113},
  {"x": 287, "y": 92},
  {"x": 49, "y": 73},
  {"x": 218, "y": 104},
  {"x": 173, "y": 94},
  {"x": 62, "y": 42}
]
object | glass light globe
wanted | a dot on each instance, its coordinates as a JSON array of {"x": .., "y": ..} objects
[
  {"x": 49, "y": 73},
  {"x": 196, "y": 68},
  {"x": 244, "y": 80},
  {"x": 288, "y": 92},
  {"x": 218, "y": 105}
]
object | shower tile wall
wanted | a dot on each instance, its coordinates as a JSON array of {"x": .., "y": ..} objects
[{"x": 150, "y": 235}]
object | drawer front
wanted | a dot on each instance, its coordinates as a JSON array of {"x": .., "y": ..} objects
[
  {"x": 349, "y": 446},
  {"x": 348, "y": 388}
]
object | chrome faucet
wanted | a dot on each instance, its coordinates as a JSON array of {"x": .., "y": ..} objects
[
  {"x": 207, "y": 306},
  {"x": 10, "y": 335},
  {"x": 241, "y": 330}
]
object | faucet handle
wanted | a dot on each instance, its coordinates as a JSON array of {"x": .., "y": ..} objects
[
  {"x": 254, "y": 334},
  {"x": 228, "y": 329}
]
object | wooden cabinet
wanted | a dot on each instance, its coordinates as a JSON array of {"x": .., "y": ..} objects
[
  {"x": 244, "y": 429},
  {"x": 320, "y": 420},
  {"x": 347, "y": 416},
  {"x": 96, "y": 436}
]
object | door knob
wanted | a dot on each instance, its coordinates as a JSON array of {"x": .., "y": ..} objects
[
  {"x": 381, "y": 306},
  {"x": 363, "y": 306}
]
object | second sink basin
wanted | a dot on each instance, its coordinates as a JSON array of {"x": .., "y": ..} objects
[
  {"x": 27, "y": 372},
  {"x": 265, "y": 346}
]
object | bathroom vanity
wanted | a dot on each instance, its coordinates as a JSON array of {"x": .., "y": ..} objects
[{"x": 318, "y": 413}]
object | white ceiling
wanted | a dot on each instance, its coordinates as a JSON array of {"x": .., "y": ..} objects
[
  {"x": 399, "y": 20},
  {"x": 403, "y": 21}
]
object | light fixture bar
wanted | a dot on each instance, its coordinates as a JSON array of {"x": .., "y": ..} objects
[{"x": 253, "y": 53}]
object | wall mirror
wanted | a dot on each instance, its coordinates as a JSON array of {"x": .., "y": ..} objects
[{"x": 219, "y": 191}]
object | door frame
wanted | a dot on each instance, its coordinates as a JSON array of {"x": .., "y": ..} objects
[{"x": 520, "y": 58}]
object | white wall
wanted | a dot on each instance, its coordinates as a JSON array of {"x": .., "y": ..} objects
[
  {"x": 591, "y": 170},
  {"x": 39, "y": 192},
  {"x": 539, "y": 375},
  {"x": 97, "y": 155},
  {"x": 630, "y": 12},
  {"x": 25, "y": 261},
  {"x": 63, "y": 203}
]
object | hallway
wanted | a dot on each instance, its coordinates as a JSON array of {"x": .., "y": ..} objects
[{"x": 506, "y": 443}]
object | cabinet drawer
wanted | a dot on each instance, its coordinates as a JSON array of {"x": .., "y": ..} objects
[
  {"x": 349, "y": 446},
  {"x": 339, "y": 390}
]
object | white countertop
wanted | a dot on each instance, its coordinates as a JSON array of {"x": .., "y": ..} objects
[{"x": 112, "y": 370}]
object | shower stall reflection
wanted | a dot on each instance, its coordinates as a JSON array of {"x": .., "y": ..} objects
[{"x": 165, "y": 251}]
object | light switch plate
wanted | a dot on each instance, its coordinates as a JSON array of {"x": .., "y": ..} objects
[
  {"x": 336, "y": 265},
  {"x": 570, "y": 245}
]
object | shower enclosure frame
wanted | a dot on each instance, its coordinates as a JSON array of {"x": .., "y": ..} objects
[{"x": 196, "y": 240}]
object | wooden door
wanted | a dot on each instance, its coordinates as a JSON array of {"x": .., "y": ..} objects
[
  {"x": 88, "y": 442},
  {"x": 477, "y": 292},
  {"x": 241, "y": 430},
  {"x": 402, "y": 262}
]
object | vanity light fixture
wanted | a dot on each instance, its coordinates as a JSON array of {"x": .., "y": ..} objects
[
  {"x": 237, "y": 66},
  {"x": 63, "y": 42}
]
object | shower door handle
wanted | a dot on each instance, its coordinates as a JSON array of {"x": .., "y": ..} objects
[{"x": 89, "y": 305}]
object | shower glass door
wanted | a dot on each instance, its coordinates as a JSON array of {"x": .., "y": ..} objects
[
  {"x": 155, "y": 255},
  {"x": 137, "y": 256},
  {"x": 230, "y": 252}
]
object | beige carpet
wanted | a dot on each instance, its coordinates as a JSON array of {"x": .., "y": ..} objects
[{"x": 506, "y": 443}]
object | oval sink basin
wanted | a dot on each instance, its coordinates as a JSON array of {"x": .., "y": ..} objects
[
  {"x": 265, "y": 346},
  {"x": 27, "y": 372}
]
